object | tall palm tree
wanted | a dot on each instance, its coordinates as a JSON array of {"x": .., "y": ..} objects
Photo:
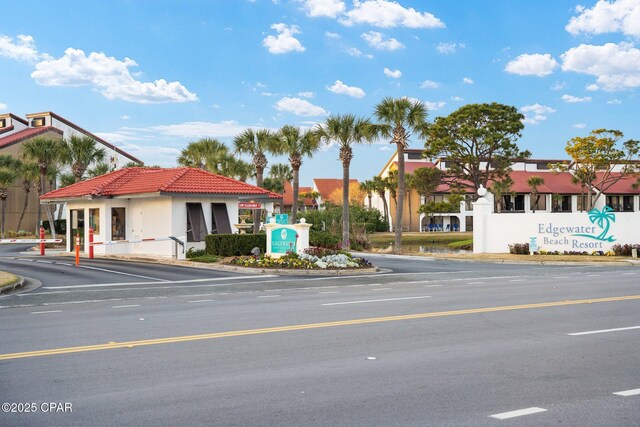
[
  {"x": 409, "y": 181},
  {"x": 534, "y": 182},
  {"x": 9, "y": 172},
  {"x": 399, "y": 119},
  {"x": 45, "y": 152},
  {"x": 80, "y": 152},
  {"x": 368, "y": 187},
  {"x": 345, "y": 130},
  {"x": 380, "y": 187},
  {"x": 281, "y": 172},
  {"x": 30, "y": 178},
  {"x": 257, "y": 144},
  {"x": 99, "y": 169},
  {"x": 297, "y": 144},
  {"x": 205, "y": 153}
]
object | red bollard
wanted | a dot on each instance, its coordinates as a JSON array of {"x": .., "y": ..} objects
[
  {"x": 77, "y": 250},
  {"x": 90, "y": 243},
  {"x": 41, "y": 243}
]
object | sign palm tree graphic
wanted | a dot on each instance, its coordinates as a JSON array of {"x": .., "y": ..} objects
[{"x": 602, "y": 218}]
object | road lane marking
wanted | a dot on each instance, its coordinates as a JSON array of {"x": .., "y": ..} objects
[
  {"x": 46, "y": 312},
  {"x": 561, "y": 277},
  {"x": 164, "y": 282},
  {"x": 474, "y": 283},
  {"x": 602, "y": 331},
  {"x": 627, "y": 393},
  {"x": 518, "y": 413},
  {"x": 381, "y": 289},
  {"x": 593, "y": 275},
  {"x": 375, "y": 300},
  {"x": 106, "y": 270},
  {"x": 126, "y": 306},
  {"x": 201, "y": 300},
  {"x": 269, "y": 296},
  {"x": 308, "y": 326},
  {"x": 329, "y": 292}
]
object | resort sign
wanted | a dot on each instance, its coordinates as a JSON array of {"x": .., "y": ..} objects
[
  {"x": 579, "y": 237},
  {"x": 283, "y": 240}
]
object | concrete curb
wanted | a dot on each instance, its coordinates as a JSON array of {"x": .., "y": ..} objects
[{"x": 10, "y": 287}]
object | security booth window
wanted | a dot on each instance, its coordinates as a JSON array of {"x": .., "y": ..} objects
[
  {"x": 118, "y": 224},
  {"x": 94, "y": 220},
  {"x": 196, "y": 226}
]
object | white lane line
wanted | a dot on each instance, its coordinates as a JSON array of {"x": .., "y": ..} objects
[
  {"x": 329, "y": 292},
  {"x": 390, "y": 274},
  {"x": 106, "y": 270},
  {"x": 561, "y": 277},
  {"x": 628, "y": 274},
  {"x": 627, "y": 393},
  {"x": 375, "y": 284},
  {"x": 433, "y": 286},
  {"x": 518, "y": 413},
  {"x": 516, "y": 280},
  {"x": 45, "y": 262},
  {"x": 46, "y": 312},
  {"x": 375, "y": 300},
  {"x": 269, "y": 296},
  {"x": 602, "y": 331},
  {"x": 164, "y": 282},
  {"x": 381, "y": 289},
  {"x": 201, "y": 300},
  {"x": 126, "y": 306},
  {"x": 593, "y": 275},
  {"x": 474, "y": 283}
]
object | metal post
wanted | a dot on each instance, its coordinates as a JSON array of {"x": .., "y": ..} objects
[
  {"x": 90, "y": 243},
  {"x": 77, "y": 250},
  {"x": 41, "y": 243}
]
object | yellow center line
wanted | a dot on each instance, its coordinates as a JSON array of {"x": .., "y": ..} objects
[{"x": 215, "y": 335}]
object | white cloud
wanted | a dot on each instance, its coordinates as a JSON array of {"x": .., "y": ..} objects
[
  {"x": 616, "y": 66},
  {"x": 457, "y": 98},
  {"x": 388, "y": 14},
  {"x": 342, "y": 89},
  {"x": 449, "y": 48},
  {"x": 110, "y": 75},
  {"x": 385, "y": 148},
  {"x": 432, "y": 106},
  {"x": 579, "y": 126},
  {"x": 394, "y": 74},
  {"x": 467, "y": 81},
  {"x": 534, "y": 114},
  {"x": 306, "y": 94},
  {"x": 330, "y": 35},
  {"x": 23, "y": 50},
  {"x": 559, "y": 86},
  {"x": 285, "y": 41},
  {"x": 574, "y": 99},
  {"x": 429, "y": 84},
  {"x": 125, "y": 117},
  {"x": 614, "y": 102},
  {"x": 607, "y": 17},
  {"x": 3, "y": 107},
  {"x": 328, "y": 8},
  {"x": 225, "y": 128},
  {"x": 299, "y": 107},
  {"x": 532, "y": 65},
  {"x": 377, "y": 41}
]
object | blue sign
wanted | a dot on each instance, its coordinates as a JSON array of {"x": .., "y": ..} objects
[
  {"x": 283, "y": 240},
  {"x": 282, "y": 218}
]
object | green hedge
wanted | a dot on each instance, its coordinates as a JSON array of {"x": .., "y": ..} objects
[{"x": 235, "y": 244}]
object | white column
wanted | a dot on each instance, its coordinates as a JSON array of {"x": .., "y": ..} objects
[{"x": 481, "y": 209}]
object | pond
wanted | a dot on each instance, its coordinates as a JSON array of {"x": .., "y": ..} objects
[{"x": 431, "y": 248}]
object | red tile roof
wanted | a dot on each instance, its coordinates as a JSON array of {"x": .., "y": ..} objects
[
  {"x": 410, "y": 166},
  {"x": 554, "y": 183},
  {"x": 624, "y": 186},
  {"x": 326, "y": 186},
  {"x": 26, "y": 134},
  {"x": 131, "y": 181},
  {"x": 288, "y": 195}
]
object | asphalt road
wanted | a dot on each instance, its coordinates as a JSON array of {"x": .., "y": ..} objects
[{"x": 427, "y": 342}]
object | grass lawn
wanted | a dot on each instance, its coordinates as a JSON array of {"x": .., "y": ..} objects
[
  {"x": 420, "y": 239},
  {"x": 6, "y": 278}
]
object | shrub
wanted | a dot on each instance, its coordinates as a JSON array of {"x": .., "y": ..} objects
[
  {"x": 624, "y": 250},
  {"x": 235, "y": 244},
  {"x": 194, "y": 253},
  {"x": 323, "y": 239},
  {"x": 519, "y": 248}
]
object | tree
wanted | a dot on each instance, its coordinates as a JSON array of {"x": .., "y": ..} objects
[
  {"x": 534, "y": 182},
  {"x": 30, "y": 177},
  {"x": 273, "y": 184},
  {"x": 368, "y": 187},
  {"x": 79, "y": 152},
  {"x": 281, "y": 172},
  {"x": 9, "y": 172},
  {"x": 409, "y": 184},
  {"x": 356, "y": 195},
  {"x": 391, "y": 181},
  {"x": 99, "y": 169},
  {"x": 296, "y": 144},
  {"x": 599, "y": 162},
  {"x": 45, "y": 153},
  {"x": 257, "y": 144},
  {"x": 345, "y": 130},
  {"x": 399, "y": 119},
  {"x": 380, "y": 187},
  {"x": 479, "y": 142},
  {"x": 426, "y": 180},
  {"x": 205, "y": 153},
  {"x": 500, "y": 188}
]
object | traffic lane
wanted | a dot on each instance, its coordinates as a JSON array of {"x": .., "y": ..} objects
[{"x": 445, "y": 371}]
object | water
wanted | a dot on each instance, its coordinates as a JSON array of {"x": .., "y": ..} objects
[{"x": 434, "y": 249}]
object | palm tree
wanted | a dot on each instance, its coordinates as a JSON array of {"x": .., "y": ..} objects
[
  {"x": 257, "y": 144},
  {"x": 79, "y": 152},
  {"x": 409, "y": 181},
  {"x": 500, "y": 188},
  {"x": 391, "y": 181},
  {"x": 346, "y": 130},
  {"x": 368, "y": 187},
  {"x": 45, "y": 153},
  {"x": 9, "y": 172},
  {"x": 99, "y": 169},
  {"x": 296, "y": 144},
  {"x": 399, "y": 119},
  {"x": 281, "y": 172},
  {"x": 534, "y": 182},
  {"x": 205, "y": 153},
  {"x": 380, "y": 187},
  {"x": 30, "y": 177},
  {"x": 236, "y": 168}
]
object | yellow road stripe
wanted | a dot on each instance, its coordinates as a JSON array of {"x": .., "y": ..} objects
[{"x": 215, "y": 335}]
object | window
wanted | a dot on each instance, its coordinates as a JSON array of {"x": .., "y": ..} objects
[
  {"x": 437, "y": 198},
  {"x": 94, "y": 220},
  {"x": 414, "y": 156},
  {"x": 220, "y": 219},
  {"x": 196, "y": 227},
  {"x": 561, "y": 202},
  {"x": 583, "y": 203},
  {"x": 468, "y": 201},
  {"x": 118, "y": 224},
  {"x": 37, "y": 122},
  {"x": 3, "y": 123},
  {"x": 542, "y": 166},
  {"x": 539, "y": 203},
  {"x": 620, "y": 203},
  {"x": 513, "y": 204}
]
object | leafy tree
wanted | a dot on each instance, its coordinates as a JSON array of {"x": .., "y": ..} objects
[
  {"x": 480, "y": 142},
  {"x": 257, "y": 144},
  {"x": 205, "y": 153},
  {"x": 45, "y": 153},
  {"x": 9, "y": 172},
  {"x": 297, "y": 144},
  {"x": 426, "y": 180},
  {"x": 399, "y": 119},
  {"x": 281, "y": 172},
  {"x": 79, "y": 152},
  {"x": 130, "y": 164},
  {"x": 595, "y": 159},
  {"x": 273, "y": 184},
  {"x": 499, "y": 189},
  {"x": 534, "y": 182},
  {"x": 345, "y": 130}
]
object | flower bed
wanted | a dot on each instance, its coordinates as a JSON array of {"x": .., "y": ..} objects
[{"x": 311, "y": 259}]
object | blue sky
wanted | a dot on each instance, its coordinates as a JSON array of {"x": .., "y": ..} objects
[{"x": 151, "y": 76}]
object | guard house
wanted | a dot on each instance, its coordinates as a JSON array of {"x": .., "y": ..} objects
[{"x": 137, "y": 210}]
